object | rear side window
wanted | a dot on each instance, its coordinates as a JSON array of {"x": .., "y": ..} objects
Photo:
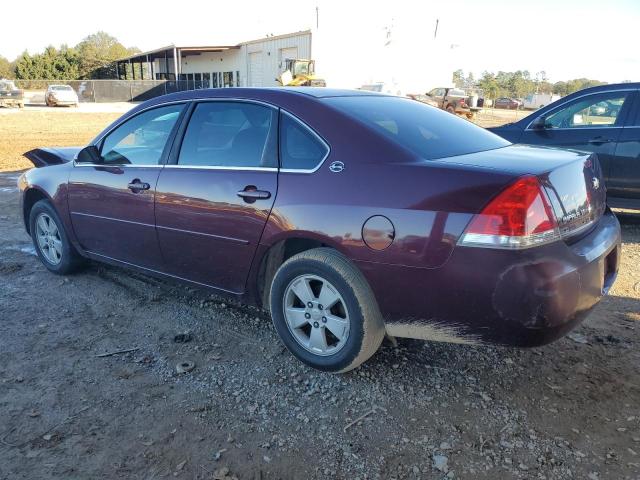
[
  {"x": 300, "y": 147},
  {"x": 426, "y": 131},
  {"x": 230, "y": 134}
]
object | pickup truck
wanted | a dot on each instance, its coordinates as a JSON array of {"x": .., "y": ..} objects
[
  {"x": 10, "y": 96},
  {"x": 453, "y": 100}
]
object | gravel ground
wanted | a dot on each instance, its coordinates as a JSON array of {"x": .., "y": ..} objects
[{"x": 249, "y": 410}]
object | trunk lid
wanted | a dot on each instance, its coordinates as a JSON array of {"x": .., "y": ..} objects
[
  {"x": 577, "y": 194},
  {"x": 42, "y": 157},
  {"x": 572, "y": 180}
]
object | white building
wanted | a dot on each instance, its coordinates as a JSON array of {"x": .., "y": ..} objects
[{"x": 256, "y": 63}]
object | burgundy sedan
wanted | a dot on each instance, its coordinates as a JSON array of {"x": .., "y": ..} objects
[{"x": 349, "y": 215}]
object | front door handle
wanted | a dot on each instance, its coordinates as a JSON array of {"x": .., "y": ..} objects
[
  {"x": 136, "y": 186},
  {"x": 599, "y": 140},
  {"x": 251, "y": 194}
]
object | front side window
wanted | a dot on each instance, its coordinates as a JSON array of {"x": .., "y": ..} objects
[
  {"x": 142, "y": 139},
  {"x": 596, "y": 110},
  {"x": 230, "y": 134},
  {"x": 300, "y": 148}
]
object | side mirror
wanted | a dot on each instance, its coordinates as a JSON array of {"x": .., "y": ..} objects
[
  {"x": 539, "y": 123},
  {"x": 89, "y": 154}
]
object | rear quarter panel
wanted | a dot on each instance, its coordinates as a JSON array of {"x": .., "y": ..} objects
[{"x": 428, "y": 204}]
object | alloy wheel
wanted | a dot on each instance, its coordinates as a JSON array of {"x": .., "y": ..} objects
[
  {"x": 316, "y": 315},
  {"x": 49, "y": 240}
]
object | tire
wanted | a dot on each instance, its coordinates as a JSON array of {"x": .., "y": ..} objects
[
  {"x": 450, "y": 109},
  {"x": 69, "y": 260},
  {"x": 356, "y": 312}
]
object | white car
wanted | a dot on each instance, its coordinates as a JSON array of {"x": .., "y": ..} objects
[{"x": 60, "y": 95}]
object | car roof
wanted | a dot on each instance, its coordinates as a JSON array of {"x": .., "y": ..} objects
[
  {"x": 262, "y": 92},
  {"x": 324, "y": 92},
  {"x": 607, "y": 87}
]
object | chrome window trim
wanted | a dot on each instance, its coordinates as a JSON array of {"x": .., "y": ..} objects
[
  {"x": 98, "y": 139},
  {"x": 213, "y": 167},
  {"x": 316, "y": 135},
  {"x": 577, "y": 98},
  {"x": 590, "y": 127},
  {"x": 116, "y": 165}
]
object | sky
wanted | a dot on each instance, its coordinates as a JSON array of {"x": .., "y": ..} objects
[{"x": 565, "y": 38}]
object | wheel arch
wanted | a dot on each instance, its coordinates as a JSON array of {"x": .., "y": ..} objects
[
  {"x": 30, "y": 197},
  {"x": 279, "y": 252}
]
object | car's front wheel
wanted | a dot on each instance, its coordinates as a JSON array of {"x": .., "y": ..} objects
[
  {"x": 325, "y": 311},
  {"x": 51, "y": 241}
]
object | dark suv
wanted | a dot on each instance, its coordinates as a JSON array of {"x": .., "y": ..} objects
[{"x": 604, "y": 120}]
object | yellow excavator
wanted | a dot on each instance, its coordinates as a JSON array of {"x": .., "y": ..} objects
[{"x": 300, "y": 73}]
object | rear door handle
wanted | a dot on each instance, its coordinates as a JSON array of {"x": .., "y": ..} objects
[
  {"x": 136, "y": 185},
  {"x": 599, "y": 140},
  {"x": 251, "y": 194}
]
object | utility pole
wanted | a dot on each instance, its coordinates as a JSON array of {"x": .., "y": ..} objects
[
  {"x": 317, "y": 18},
  {"x": 435, "y": 33}
]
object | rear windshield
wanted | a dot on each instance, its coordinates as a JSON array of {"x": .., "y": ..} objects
[
  {"x": 426, "y": 131},
  {"x": 61, "y": 87}
]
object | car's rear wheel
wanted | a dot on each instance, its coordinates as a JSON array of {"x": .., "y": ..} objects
[
  {"x": 325, "y": 312},
  {"x": 51, "y": 241},
  {"x": 450, "y": 109}
]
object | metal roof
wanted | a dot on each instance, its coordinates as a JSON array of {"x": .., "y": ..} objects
[{"x": 208, "y": 48}]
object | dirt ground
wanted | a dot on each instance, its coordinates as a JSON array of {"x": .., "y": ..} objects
[
  {"x": 249, "y": 410},
  {"x": 34, "y": 127}
]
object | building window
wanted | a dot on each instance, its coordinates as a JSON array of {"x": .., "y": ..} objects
[
  {"x": 228, "y": 79},
  {"x": 206, "y": 80},
  {"x": 237, "y": 78}
]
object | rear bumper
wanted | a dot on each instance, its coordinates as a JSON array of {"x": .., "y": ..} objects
[
  {"x": 9, "y": 101},
  {"x": 524, "y": 298},
  {"x": 64, "y": 102}
]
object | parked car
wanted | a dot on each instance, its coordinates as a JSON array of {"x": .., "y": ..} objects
[
  {"x": 61, "y": 95},
  {"x": 508, "y": 103},
  {"x": 604, "y": 120},
  {"x": 348, "y": 214},
  {"x": 453, "y": 100},
  {"x": 10, "y": 95}
]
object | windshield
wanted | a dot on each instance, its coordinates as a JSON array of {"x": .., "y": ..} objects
[
  {"x": 427, "y": 132},
  {"x": 7, "y": 86},
  {"x": 301, "y": 68}
]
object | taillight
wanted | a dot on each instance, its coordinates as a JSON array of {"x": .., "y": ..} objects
[{"x": 519, "y": 217}]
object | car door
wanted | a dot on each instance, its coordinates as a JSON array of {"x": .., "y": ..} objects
[
  {"x": 438, "y": 95},
  {"x": 215, "y": 195},
  {"x": 583, "y": 124},
  {"x": 112, "y": 201},
  {"x": 624, "y": 179}
]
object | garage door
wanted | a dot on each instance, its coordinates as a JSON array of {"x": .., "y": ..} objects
[
  {"x": 255, "y": 69},
  {"x": 285, "y": 53}
]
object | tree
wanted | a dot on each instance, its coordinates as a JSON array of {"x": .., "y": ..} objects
[
  {"x": 52, "y": 64},
  {"x": 489, "y": 84},
  {"x": 97, "y": 54},
  {"x": 7, "y": 69},
  {"x": 458, "y": 78}
]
